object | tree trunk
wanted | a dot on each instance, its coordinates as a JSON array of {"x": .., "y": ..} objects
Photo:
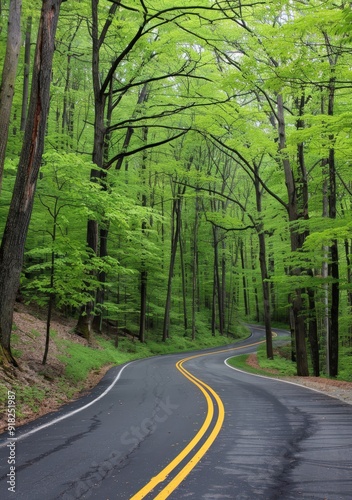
[
  {"x": 217, "y": 280},
  {"x": 334, "y": 273},
  {"x": 143, "y": 273},
  {"x": 100, "y": 295},
  {"x": 263, "y": 270},
  {"x": 223, "y": 284},
  {"x": 313, "y": 333},
  {"x": 347, "y": 245},
  {"x": 195, "y": 267},
  {"x": 244, "y": 281},
  {"x": 85, "y": 320},
  {"x": 213, "y": 302},
  {"x": 9, "y": 76},
  {"x": 254, "y": 282},
  {"x": 15, "y": 233},
  {"x": 27, "y": 63},
  {"x": 184, "y": 284},
  {"x": 176, "y": 227},
  {"x": 325, "y": 272}
]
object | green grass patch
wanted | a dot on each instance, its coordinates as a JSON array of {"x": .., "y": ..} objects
[
  {"x": 279, "y": 366},
  {"x": 26, "y": 397},
  {"x": 280, "y": 363}
]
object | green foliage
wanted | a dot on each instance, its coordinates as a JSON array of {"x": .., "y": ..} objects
[
  {"x": 26, "y": 397},
  {"x": 80, "y": 360},
  {"x": 345, "y": 364}
]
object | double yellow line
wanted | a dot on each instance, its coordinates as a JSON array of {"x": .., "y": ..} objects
[{"x": 211, "y": 396}]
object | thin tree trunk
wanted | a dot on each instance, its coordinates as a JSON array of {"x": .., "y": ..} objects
[
  {"x": 223, "y": 283},
  {"x": 254, "y": 282},
  {"x": 334, "y": 252},
  {"x": 244, "y": 281},
  {"x": 349, "y": 281},
  {"x": 217, "y": 280},
  {"x": 176, "y": 227},
  {"x": 325, "y": 272},
  {"x": 213, "y": 305},
  {"x": 52, "y": 283},
  {"x": 184, "y": 284},
  {"x": 9, "y": 76},
  {"x": 143, "y": 273},
  {"x": 264, "y": 270},
  {"x": 313, "y": 333},
  {"x": 85, "y": 320},
  {"x": 195, "y": 266}
]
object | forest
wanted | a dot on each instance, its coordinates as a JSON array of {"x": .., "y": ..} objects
[{"x": 178, "y": 166}]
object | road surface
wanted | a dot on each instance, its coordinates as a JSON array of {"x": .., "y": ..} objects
[{"x": 185, "y": 426}]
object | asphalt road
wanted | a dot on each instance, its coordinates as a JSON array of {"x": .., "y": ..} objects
[{"x": 185, "y": 427}]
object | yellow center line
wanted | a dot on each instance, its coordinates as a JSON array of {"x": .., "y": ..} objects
[
  {"x": 175, "y": 482},
  {"x": 205, "y": 389}
]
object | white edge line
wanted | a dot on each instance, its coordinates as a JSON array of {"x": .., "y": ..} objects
[
  {"x": 67, "y": 415},
  {"x": 283, "y": 381}
]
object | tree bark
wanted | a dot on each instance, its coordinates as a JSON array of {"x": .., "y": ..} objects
[
  {"x": 9, "y": 76},
  {"x": 195, "y": 267},
  {"x": 184, "y": 284},
  {"x": 143, "y": 272},
  {"x": 14, "y": 238},
  {"x": 334, "y": 266},
  {"x": 244, "y": 281},
  {"x": 85, "y": 320},
  {"x": 27, "y": 62},
  {"x": 264, "y": 270},
  {"x": 176, "y": 227},
  {"x": 218, "y": 281}
]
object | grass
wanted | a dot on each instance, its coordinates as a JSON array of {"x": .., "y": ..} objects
[
  {"x": 26, "y": 397},
  {"x": 283, "y": 366},
  {"x": 79, "y": 360},
  {"x": 345, "y": 364}
]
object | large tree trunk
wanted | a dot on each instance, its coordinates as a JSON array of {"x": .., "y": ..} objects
[
  {"x": 14, "y": 238},
  {"x": 9, "y": 76},
  {"x": 27, "y": 61}
]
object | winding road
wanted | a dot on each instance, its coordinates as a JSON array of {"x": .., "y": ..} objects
[{"x": 185, "y": 426}]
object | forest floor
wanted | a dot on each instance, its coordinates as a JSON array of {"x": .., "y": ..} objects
[
  {"x": 29, "y": 333},
  {"x": 29, "y": 340}
]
